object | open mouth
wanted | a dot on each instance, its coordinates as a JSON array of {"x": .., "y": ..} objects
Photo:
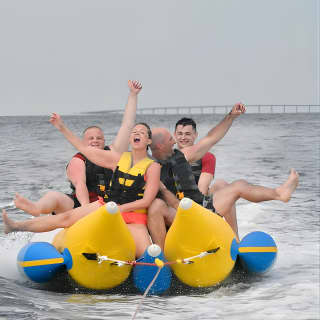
[{"x": 136, "y": 140}]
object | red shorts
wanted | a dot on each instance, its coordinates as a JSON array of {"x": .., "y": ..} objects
[
  {"x": 134, "y": 217},
  {"x": 130, "y": 217}
]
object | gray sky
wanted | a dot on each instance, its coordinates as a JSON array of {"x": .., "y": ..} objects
[{"x": 73, "y": 56}]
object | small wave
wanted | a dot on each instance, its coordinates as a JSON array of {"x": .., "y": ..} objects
[
  {"x": 9, "y": 249},
  {"x": 7, "y": 204}
]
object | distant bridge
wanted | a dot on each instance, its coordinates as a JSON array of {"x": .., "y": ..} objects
[{"x": 254, "y": 108}]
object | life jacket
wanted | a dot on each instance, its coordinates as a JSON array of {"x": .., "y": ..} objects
[
  {"x": 196, "y": 168},
  {"x": 97, "y": 178},
  {"x": 177, "y": 176},
  {"x": 128, "y": 183}
]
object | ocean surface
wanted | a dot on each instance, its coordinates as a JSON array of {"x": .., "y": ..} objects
[{"x": 260, "y": 148}]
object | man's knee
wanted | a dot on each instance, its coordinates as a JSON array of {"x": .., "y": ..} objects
[
  {"x": 52, "y": 194},
  {"x": 218, "y": 185},
  {"x": 157, "y": 206},
  {"x": 66, "y": 220},
  {"x": 169, "y": 216},
  {"x": 239, "y": 184}
]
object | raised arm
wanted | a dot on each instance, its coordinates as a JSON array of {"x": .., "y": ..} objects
[
  {"x": 197, "y": 151},
  {"x": 121, "y": 142},
  {"x": 102, "y": 158}
]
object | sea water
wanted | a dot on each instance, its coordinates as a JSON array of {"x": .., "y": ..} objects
[{"x": 260, "y": 148}]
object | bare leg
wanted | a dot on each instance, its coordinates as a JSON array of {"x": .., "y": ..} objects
[
  {"x": 48, "y": 223},
  {"x": 231, "y": 213},
  {"x": 285, "y": 191},
  {"x": 158, "y": 216},
  {"x": 52, "y": 201},
  {"x": 226, "y": 197},
  {"x": 141, "y": 237}
]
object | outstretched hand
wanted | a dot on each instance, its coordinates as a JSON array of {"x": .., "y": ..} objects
[
  {"x": 56, "y": 121},
  {"x": 238, "y": 109},
  {"x": 134, "y": 86}
]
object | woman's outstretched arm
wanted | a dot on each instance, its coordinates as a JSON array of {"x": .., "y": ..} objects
[
  {"x": 121, "y": 142},
  {"x": 103, "y": 158}
]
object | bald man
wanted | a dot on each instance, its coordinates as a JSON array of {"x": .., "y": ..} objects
[{"x": 178, "y": 181}]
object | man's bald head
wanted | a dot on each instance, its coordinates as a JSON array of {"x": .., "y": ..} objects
[
  {"x": 162, "y": 143},
  {"x": 158, "y": 136}
]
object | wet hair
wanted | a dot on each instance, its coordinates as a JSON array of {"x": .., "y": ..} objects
[
  {"x": 186, "y": 122},
  {"x": 91, "y": 127},
  {"x": 148, "y": 129}
]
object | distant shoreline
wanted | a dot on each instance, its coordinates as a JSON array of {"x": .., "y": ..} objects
[{"x": 195, "y": 110}]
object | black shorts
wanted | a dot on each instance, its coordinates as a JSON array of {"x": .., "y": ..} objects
[
  {"x": 76, "y": 202},
  {"x": 208, "y": 204}
]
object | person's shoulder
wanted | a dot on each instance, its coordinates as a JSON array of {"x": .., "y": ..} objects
[
  {"x": 209, "y": 156},
  {"x": 80, "y": 156}
]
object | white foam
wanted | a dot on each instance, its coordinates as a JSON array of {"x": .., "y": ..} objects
[
  {"x": 7, "y": 204},
  {"x": 45, "y": 236},
  {"x": 247, "y": 216},
  {"x": 9, "y": 249}
]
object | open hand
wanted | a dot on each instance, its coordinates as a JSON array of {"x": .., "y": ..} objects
[{"x": 56, "y": 121}]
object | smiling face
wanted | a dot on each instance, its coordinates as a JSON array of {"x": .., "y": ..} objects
[
  {"x": 162, "y": 143},
  {"x": 93, "y": 136},
  {"x": 140, "y": 137},
  {"x": 185, "y": 136}
]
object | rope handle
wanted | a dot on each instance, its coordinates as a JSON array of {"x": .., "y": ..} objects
[{"x": 157, "y": 262}]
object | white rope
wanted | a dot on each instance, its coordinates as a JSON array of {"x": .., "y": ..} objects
[
  {"x": 146, "y": 292},
  {"x": 200, "y": 255},
  {"x": 120, "y": 263},
  {"x": 106, "y": 258}
]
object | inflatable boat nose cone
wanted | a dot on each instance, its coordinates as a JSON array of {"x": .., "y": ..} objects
[
  {"x": 257, "y": 252},
  {"x": 144, "y": 274},
  {"x": 197, "y": 231},
  {"x": 154, "y": 250},
  {"x": 185, "y": 203},
  {"x": 40, "y": 261},
  {"x": 112, "y": 207}
]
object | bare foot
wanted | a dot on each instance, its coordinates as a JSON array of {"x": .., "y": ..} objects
[
  {"x": 9, "y": 225},
  {"x": 285, "y": 191},
  {"x": 26, "y": 205}
]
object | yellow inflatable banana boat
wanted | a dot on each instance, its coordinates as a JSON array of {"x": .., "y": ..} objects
[
  {"x": 197, "y": 232},
  {"x": 98, "y": 252}
]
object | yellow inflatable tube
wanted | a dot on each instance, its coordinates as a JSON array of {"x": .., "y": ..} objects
[
  {"x": 197, "y": 230},
  {"x": 104, "y": 233}
]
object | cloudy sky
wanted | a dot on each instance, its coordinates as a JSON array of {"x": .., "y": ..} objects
[{"x": 73, "y": 56}]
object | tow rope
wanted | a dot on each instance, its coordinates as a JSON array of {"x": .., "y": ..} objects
[
  {"x": 157, "y": 262},
  {"x": 119, "y": 263}
]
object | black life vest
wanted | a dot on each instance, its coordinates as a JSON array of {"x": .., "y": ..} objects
[
  {"x": 196, "y": 168},
  {"x": 177, "y": 176},
  {"x": 97, "y": 178}
]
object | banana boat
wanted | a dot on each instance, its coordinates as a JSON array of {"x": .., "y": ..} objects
[{"x": 98, "y": 252}]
